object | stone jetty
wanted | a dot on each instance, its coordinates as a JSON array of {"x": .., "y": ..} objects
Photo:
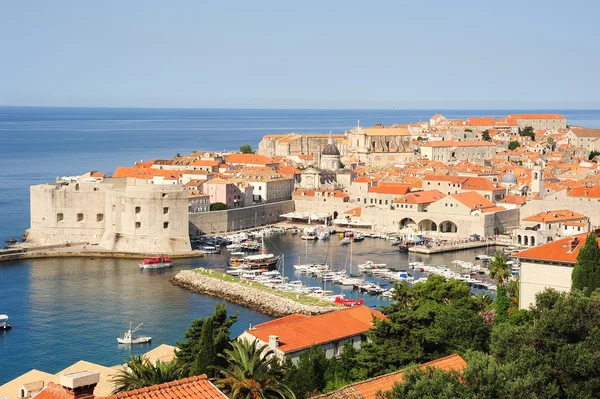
[{"x": 251, "y": 295}]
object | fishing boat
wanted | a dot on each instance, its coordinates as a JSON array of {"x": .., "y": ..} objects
[
  {"x": 4, "y": 322},
  {"x": 157, "y": 262},
  {"x": 128, "y": 338},
  {"x": 347, "y": 302}
]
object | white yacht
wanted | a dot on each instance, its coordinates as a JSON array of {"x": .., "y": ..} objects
[{"x": 4, "y": 322}]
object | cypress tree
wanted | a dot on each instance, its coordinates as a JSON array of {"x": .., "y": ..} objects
[
  {"x": 207, "y": 356},
  {"x": 586, "y": 274}
]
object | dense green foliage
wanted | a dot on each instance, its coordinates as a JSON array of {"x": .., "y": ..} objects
[
  {"x": 218, "y": 206},
  {"x": 528, "y": 131},
  {"x": 426, "y": 321},
  {"x": 513, "y": 145},
  {"x": 195, "y": 346},
  {"x": 143, "y": 373},
  {"x": 246, "y": 149},
  {"x": 485, "y": 136},
  {"x": 252, "y": 373},
  {"x": 553, "y": 353},
  {"x": 586, "y": 273},
  {"x": 593, "y": 154}
]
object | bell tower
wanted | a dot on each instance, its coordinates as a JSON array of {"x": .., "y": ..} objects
[{"x": 537, "y": 180}]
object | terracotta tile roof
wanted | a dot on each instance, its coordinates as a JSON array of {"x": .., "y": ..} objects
[
  {"x": 283, "y": 320},
  {"x": 333, "y": 326},
  {"x": 324, "y": 193},
  {"x": 53, "y": 391},
  {"x": 514, "y": 199},
  {"x": 197, "y": 387},
  {"x": 368, "y": 389},
  {"x": 590, "y": 192},
  {"x": 536, "y": 116},
  {"x": 453, "y": 143},
  {"x": 421, "y": 197},
  {"x": 564, "y": 250},
  {"x": 98, "y": 174},
  {"x": 493, "y": 209},
  {"x": 289, "y": 170},
  {"x": 386, "y": 131},
  {"x": 10, "y": 390},
  {"x": 206, "y": 162},
  {"x": 390, "y": 189},
  {"x": 249, "y": 159},
  {"x": 146, "y": 173},
  {"x": 451, "y": 179},
  {"x": 473, "y": 200},
  {"x": 480, "y": 183},
  {"x": 580, "y": 224},
  {"x": 562, "y": 215},
  {"x": 365, "y": 179}
]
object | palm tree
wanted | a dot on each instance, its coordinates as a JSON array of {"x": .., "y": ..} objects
[
  {"x": 252, "y": 373},
  {"x": 499, "y": 269},
  {"x": 140, "y": 372}
]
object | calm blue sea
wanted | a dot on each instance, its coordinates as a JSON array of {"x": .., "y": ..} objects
[{"x": 64, "y": 310}]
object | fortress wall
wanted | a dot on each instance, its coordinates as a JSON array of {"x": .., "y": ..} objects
[
  {"x": 238, "y": 219},
  {"x": 73, "y": 212},
  {"x": 148, "y": 218},
  {"x": 587, "y": 206}
]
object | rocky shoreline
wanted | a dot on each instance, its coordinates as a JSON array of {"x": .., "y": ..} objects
[{"x": 244, "y": 294}]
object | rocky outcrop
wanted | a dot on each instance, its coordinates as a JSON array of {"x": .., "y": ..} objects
[{"x": 244, "y": 293}]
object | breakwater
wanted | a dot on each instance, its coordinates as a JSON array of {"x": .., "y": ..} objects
[{"x": 251, "y": 295}]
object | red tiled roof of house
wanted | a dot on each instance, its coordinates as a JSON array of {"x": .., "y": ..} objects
[
  {"x": 197, "y": 387},
  {"x": 98, "y": 174},
  {"x": 561, "y": 215},
  {"x": 591, "y": 192},
  {"x": 536, "y": 116},
  {"x": 289, "y": 170},
  {"x": 473, "y": 200},
  {"x": 320, "y": 329},
  {"x": 324, "y": 193},
  {"x": 454, "y": 143},
  {"x": 146, "y": 173},
  {"x": 365, "y": 179},
  {"x": 564, "y": 250},
  {"x": 249, "y": 159},
  {"x": 514, "y": 199},
  {"x": 368, "y": 389},
  {"x": 390, "y": 189},
  {"x": 206, "y": 162},
  {"x": 421, "y": 197}
]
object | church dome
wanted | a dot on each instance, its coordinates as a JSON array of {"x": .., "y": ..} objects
[
  {"x": 330, "y": 149},
  {"x": 509, "y": 178}
]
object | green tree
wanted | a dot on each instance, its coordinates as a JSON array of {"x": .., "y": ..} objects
[
  {"x": 593, "y": 154},
  {"x": 192, "y": 346},
  {"x": 252, "y": 372},
  {"x": 218, "y": 206},
  {"x": 550, "y": 140},
  {"x": 586, "y": 273},
  {"x": 501, "y": 304},
  {"x": 140, "y": 372},
  {"x": 499, "y": 269},
  {"x": 178, "y": 155},
  {"x": 307, "y": 378},
  {"x": 513, "y": 145},
  {"x": 246, "y": 149},
  {"x": 485, "y": 136},
  {"x": 527, "y": 131},
  {"x": 419, "y": 138},
  {"x": 206, "y": 358},
  {"x": 426, "y": 321}
]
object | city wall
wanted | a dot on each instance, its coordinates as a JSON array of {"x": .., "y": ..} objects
[
  {"x": 587, "y": 206},
  {"x": 238, "y": 219}
]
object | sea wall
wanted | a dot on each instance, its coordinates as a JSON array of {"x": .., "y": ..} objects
[
  {"x": 243, "y": 293},
  {"x": 238, "y": 219}
]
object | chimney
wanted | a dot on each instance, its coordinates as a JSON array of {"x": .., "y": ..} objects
[
  {"x": 273, "y": 341},
  {"x": 80, "y": 385},
  {"x": 574, "y": 243}
]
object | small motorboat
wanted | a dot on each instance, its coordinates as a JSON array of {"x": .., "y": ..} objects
[
  {"x": 128, "y": 338},
  {"x": 324, "y": 235},
  {"x": 158, "y": 262},
  {"x": 345, "y": 241},
  {"x": 358, "y": 237},
  {"x": 11, "y": 241},
  {"x": 4, "y": 322},
  {"x": 309, "y": 237}
]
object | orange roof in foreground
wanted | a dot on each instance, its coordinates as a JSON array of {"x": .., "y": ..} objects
[
  {"x": 368, "y": 389},
  {"x": 302, "y": 333},
  {"x": 197, "y": 387},
  {"x": 557, "y": 251}
]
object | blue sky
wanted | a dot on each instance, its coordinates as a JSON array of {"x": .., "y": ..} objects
[{"x": 300, "y": 54}]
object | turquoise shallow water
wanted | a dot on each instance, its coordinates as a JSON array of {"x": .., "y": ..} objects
[{"x": 64, "y": 310}]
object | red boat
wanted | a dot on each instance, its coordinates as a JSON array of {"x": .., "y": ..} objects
[
  {"x": 158, "y": 262},
  {"x": 348, "y": 302}
]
